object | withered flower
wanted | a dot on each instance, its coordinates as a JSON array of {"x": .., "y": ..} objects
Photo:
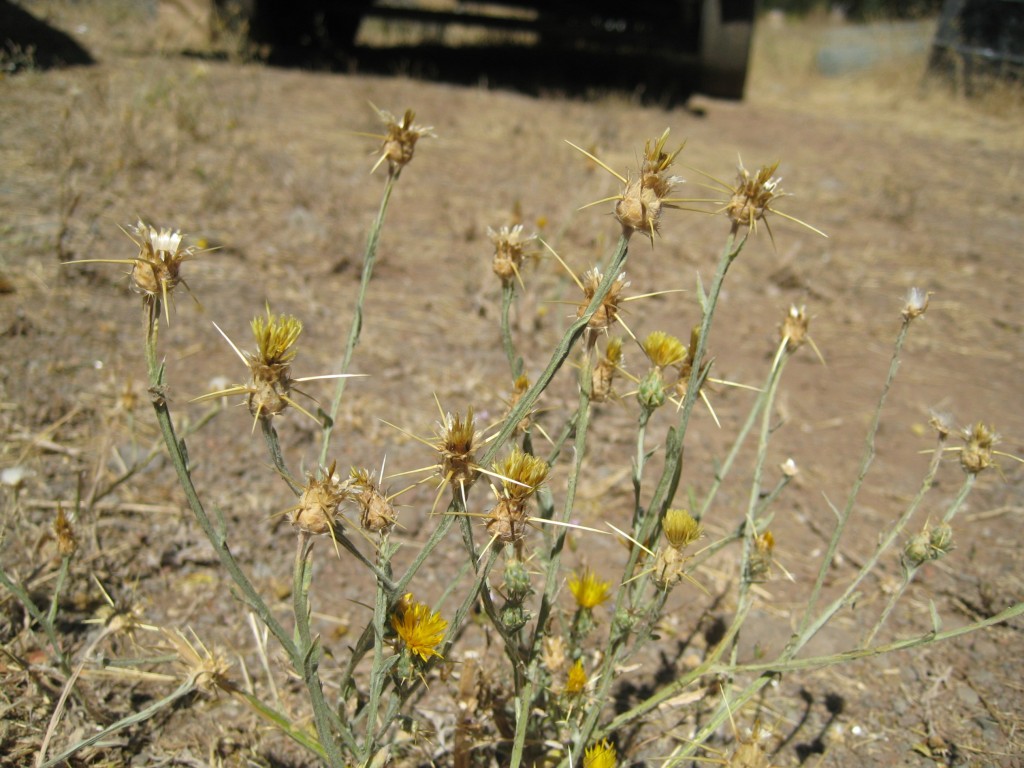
[
  {"x": 510, "y": 248},
  {"x": 638, "y": 207},
  {"x": 399, "y": 142}
]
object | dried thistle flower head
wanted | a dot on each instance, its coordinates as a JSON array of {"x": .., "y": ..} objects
[
  {"x": 638, "y": 207},
  {"x": 376, "y": 513},
  {"x": 576, "y": 679},
  {"x": 588, "y": 589},
  {"x": 942, "y": 423},
  {"x": 455, "y": 442},
  {"x": 751, "y": 200},
  {"x": 680, "y": 528},
  {"x": 929, "y": 544},
  {"x": 603, "y": 375},
  {"x": 67, "y": 544},
  {"x": 156, "y": 271},
  {"x": 916, "y": 304},
  {"x": 761, "y": 556},
  {"x": 207, "y": 668},
  {"x": 519, "y": 388},
  {"x": 752, "y": 195},
  {"x": 794, "y": 331},
  {"x": 794, "y": 327},
  {"x": 510, "y": 248},
  {"x": 608, "y": 312},
  {"x": 318, "y": 510},
  {"x": 553, "y": 653},
  {"x": 669, "y": 567},
  {"x": 399, "y": 141},
  {"x": 976, "y": 455},
  {"x": 419, "y": 629},
  {"x": 600, "y": 755}
]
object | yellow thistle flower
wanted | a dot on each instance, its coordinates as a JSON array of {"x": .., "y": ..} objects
[
  {"x": 522, "y": 474},
  {"x": 420, "y": 629},
  {"x": 399, "y": 141},
  {"x": 576, "y": 680},
  {"x": 664, "y": 350},
  {"x": 270, "y": 387},
  {"x": 600, "y": 755},
  {"x": 680, "y": 528},
  {"x": 589, "y": 590}
]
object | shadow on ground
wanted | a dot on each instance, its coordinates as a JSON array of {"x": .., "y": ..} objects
[{"x": 26, "y": 41}]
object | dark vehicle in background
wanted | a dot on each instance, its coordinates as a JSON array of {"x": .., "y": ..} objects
[{"x": 645, "y": 45}]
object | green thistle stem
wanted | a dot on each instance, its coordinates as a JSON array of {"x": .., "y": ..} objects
[{"x": 369, "y": 259}]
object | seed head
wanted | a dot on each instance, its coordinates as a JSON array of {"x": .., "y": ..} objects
[
  {"x": 506, "y": 522},
  {"x": 510, "y": 248},
  {"x": 603, "y": 374},
  {"x": 641, "y": 202},
  {"x": 917, "y": 550},
  {"x": 681, "y": 529},
  {"x": 208, "y": 668},
  {"x": 941, "y": 539},
  {"x": 376, "y": 513},
  {"x": 67, "y": 544},
  {"x": 752, "y": 196},
  {"x": 669, "y": 567},
  {"x": 600, "y": 755},
  {"x": 794, "y": 328},
  {"x": 929, "y": 544},
  {"x": 420, "y": 629},
  {"x": 455, "y": 443},
  {"x": 318, "y": 510},
  {"x": 519, "y": 388},
  {"x": 156, "y": 269},
  {"x": 608, "y": 312},
  {"x": 761, "y": 556},
  {"x": 976, "y": 454},
  {"x": 589, "y": 590},
  {"x": 916, "y": 304},
  {"x": 553, "y": 652},
  {"x": 400, "y": 139}
]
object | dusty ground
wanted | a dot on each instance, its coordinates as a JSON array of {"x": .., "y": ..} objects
[{"x": 914, "y": 188}]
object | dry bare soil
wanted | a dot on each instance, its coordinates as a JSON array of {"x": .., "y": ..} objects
[{"x": 913, "y": 186}]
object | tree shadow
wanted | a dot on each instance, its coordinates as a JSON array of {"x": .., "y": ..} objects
[{"x": 30, "y": 43}]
